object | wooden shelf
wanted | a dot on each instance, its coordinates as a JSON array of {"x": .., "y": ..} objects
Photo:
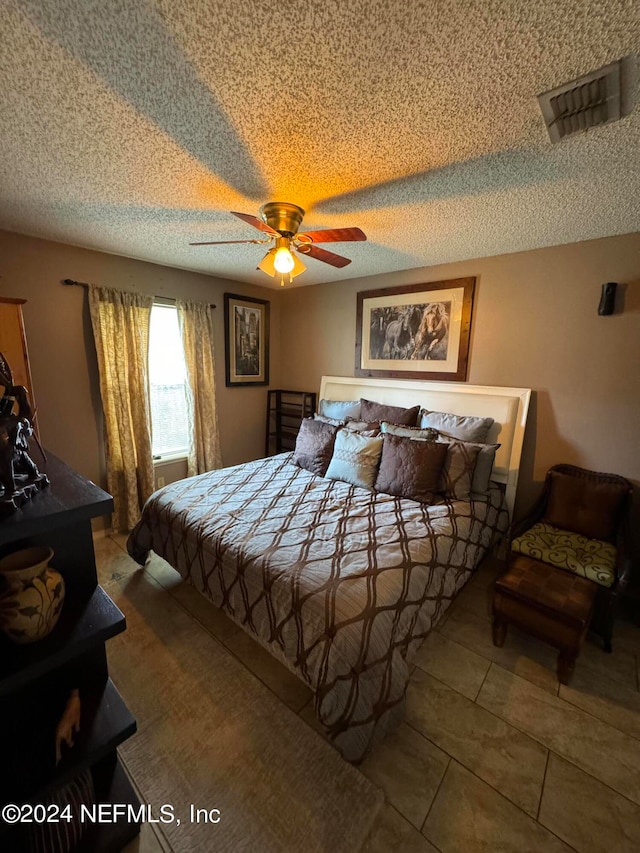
[
  {"x": 285, "y": 411},
  {"x": 105, "y": 722},
  {"x": 36, "y": 680},
  {"x": 68, "y": 499},
  {"x": 82, "y": 625}
]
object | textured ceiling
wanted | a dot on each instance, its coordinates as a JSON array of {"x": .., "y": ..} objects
[{"x": 134, "y": 126}]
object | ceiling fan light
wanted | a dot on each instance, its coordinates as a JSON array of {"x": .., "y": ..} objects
[
  {"x": 267, "y": 265},
  {"x": 298, "y": 266},
  {"x": 283, "y": 260}
]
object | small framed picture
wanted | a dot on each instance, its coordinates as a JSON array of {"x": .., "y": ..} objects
[
  {"x": 417, "y": 331},
  {"x": 246, "y": 333}
]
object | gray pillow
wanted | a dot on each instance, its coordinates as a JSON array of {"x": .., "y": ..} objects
[
  {"x": 355, "y": 458},
  {"x": 457, "y": 472},
  {"x": 427, "y": 434},
  {"x": 484, "y": 467},
  {"x": 314, "y": 446},
  {"x": 464, "y": 427},
  {"x": 340, "y": 409},
  {"x": 363, "y": 427},
  {"x": 370, "y": 411},
  {"x": 332, "y": 421}
]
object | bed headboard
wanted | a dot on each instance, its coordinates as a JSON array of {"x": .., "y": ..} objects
[{"x": 507, "y": 406}]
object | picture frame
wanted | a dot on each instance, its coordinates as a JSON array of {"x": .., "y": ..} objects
[
  {"x": 246, "y": 335},
  {"x": 415, "y": 331}
]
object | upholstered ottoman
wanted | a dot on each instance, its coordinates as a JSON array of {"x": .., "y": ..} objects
[{"x": 553, "y": 605}]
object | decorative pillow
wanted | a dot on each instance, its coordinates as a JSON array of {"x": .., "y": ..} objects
[
  {"x": 355, "y": 458},
  {"x": 583, "y": 506},
  {"x": 332, "y": 421},
  {"x": 484, "y": 467},
  {"x": 457, "y": 472},
  {"x": 340, "y": 409},
  {"x": 484, "y": 461},
  {"x": 363, "y": 427},
  {"x": 464, "y": 427},
  {"x": 370, "y": 411},
  {"x": 409, "y": 468},
  {"x": 314, "y": 446},
  {"x": 409, "y": 432}
]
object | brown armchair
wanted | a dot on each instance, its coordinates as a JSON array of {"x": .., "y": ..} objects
[{"x": 578, "y": 525}]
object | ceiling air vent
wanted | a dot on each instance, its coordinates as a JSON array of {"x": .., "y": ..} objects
[{"x": 590, "y": 101}]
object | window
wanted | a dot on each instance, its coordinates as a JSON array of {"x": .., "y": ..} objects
[{"x": 167, "y": 378}]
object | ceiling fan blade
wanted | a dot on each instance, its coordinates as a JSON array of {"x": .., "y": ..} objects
[
  {"x": 257, "y": 223},
  {"x": 322, "y": 255},
  {"x": 335, "y": 235},
  {"x": 225, "y": 242}
]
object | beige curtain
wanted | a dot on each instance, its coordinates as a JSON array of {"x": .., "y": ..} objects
[
  {"x": 121, "y": 331},
  {"x": 196, "y": 323}
]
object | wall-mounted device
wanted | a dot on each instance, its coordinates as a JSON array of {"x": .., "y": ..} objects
[{"x": 608, "y": 298}]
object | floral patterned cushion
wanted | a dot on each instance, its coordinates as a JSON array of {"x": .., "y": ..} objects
[{"x": 590, "y": 558}]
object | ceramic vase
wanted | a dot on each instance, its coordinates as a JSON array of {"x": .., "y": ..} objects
[{"x": 31, "y": 595}]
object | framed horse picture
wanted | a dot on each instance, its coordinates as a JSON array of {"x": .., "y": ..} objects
[{"x": 416, "y": 331}]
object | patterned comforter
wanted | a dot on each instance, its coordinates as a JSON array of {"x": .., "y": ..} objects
[{"x": 340, "y": 583}]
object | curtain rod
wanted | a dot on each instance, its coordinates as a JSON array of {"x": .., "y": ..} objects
[{"x": 70, "y": 281}]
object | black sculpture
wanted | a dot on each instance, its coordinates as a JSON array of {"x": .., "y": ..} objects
[{"x": 20, "y": 479}]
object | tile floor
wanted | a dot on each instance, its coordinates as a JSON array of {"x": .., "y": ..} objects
[{"x": 493, "y": 755}]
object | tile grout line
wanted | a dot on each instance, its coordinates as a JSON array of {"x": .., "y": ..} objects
[
  {"x": 482, "y": 685},
  {"x": 567, "y": 702},
  {"x": 586, "y": 666},
  {"x": 526, "y": 734},
  {"x": 594, "y": 717},
  {"x": 489, "y": 785},
  {"x": 435, "y": 796},
  {"x": 473, "y": 773},
  {"x": 406, "y": 820},
  {"x": 544, "y": 780},
  {"x": 559, "y": 754}
]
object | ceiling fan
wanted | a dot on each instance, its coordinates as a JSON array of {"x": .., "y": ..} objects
[{"x": 280, "y": 221}]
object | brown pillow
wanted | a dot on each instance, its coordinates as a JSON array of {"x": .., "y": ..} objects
[
  {"x": 410, "y": 469},
  {"x": 582, "y": 506},
  {"x": 370, "y": 411},
  {"x": 314, "y": 446}
]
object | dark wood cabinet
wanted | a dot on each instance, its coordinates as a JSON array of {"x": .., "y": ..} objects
[
  {"x": 285, "y": 411},
  {"x": 35, "y": 679}
]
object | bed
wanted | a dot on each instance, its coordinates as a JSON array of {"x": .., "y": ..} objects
[{"x": 340, "y": 583}]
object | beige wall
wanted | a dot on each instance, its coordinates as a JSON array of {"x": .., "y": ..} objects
[
  {"x": 62, "y": 353},
  {"x": 535, "y": 325}
]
